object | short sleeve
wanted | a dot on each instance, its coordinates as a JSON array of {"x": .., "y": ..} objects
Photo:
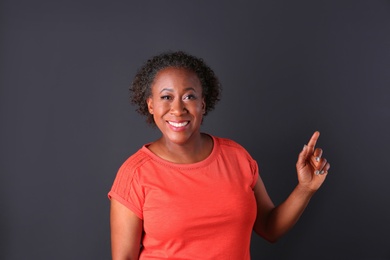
[
  {"x": 255, "y": 172},
  {"x": 127, "y": 190}
]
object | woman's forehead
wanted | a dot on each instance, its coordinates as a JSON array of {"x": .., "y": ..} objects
[{"x": 176, "y": 77}]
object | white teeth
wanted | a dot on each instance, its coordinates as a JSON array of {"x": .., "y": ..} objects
[{"x": 178, "y": 124}]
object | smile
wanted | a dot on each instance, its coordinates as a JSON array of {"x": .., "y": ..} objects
[{"x": 178, "y": 124}]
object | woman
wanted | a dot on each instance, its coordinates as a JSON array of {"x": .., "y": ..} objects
[{"x": 191, "y": 195}]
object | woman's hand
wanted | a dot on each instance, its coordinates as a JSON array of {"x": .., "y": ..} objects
[{"x": 312, "y": 168}]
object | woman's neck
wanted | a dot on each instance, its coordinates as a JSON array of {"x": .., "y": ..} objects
[{"x": 191, "y": 152}]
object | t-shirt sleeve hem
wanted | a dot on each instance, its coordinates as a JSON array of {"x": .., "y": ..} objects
[
  {"x": 130, "y": 206},
  {"x": 256, "y": 177}
]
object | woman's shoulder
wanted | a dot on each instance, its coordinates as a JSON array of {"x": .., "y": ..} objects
[
  {"x": 233, "y": 151},
  {"x": 136, "y": 160},
  {"x": 227, "y": 143}
]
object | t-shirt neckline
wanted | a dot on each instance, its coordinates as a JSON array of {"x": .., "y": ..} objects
[{"x": 200, "y": 164}]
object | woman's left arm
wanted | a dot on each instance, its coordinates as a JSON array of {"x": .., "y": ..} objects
[{"x": 273, "y": 222}]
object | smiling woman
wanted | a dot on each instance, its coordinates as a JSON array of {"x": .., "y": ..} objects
[
  {"x": 191, "y": 195},
  {"x": 177, "y": 105},
  {"x": 143, "y": 80}
]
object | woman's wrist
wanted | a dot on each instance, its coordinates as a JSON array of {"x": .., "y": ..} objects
[{"x": 305, "y": 190}]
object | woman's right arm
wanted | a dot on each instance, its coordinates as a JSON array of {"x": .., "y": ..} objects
[{"x": 126, "y": 232}]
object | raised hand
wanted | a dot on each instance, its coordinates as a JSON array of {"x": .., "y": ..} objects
[{"x": 312, "y": 168}]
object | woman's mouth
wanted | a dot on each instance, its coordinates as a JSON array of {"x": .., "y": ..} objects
[{"x": 178, "y": 124}]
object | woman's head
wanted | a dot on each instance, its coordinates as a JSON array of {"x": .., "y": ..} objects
[{"x": 141, "y": 88}]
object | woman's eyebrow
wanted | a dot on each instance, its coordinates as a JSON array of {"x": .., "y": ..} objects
[
  {"x": 166, "y": 89},
  {"x": 171, "y": 90}
]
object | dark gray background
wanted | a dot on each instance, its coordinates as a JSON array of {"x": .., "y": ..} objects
[{"x": 288, "y": 68}]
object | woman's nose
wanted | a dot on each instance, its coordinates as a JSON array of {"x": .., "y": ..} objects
[{"x": 178, "y": 107}]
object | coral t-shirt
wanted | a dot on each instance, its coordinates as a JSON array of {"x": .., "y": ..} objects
[{"x": 204, "y": 210}]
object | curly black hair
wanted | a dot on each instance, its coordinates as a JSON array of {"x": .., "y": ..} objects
[{"x": 140, "y": 89}]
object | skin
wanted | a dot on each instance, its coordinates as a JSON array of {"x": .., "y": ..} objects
[
  {"x": 273, "y": 222},
  {"x": 126, "y": 231},
  {"x": 177, "y": 98}
]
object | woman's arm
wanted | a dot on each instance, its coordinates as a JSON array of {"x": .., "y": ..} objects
[
  {"x": 273, "y": 222},
  {"x": 126, "y": 232}
]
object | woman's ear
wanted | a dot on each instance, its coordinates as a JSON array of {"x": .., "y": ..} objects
[{"x": 149, "y": 101}]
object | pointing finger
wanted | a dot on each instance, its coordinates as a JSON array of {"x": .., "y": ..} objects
[{"x": 313, "y": 141}]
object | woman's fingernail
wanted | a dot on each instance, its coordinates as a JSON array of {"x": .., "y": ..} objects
[
  {"x": 317, "y": 172},
  {"x": 322, "y": 172},
  {"x": 317, "y": 159},
  {"x": 304, "y": 147}
]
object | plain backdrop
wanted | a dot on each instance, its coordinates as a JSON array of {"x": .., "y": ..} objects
[{"x": 288, "y": 68}]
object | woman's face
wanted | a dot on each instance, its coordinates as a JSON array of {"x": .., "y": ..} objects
[{"x": 177, "y": 104}]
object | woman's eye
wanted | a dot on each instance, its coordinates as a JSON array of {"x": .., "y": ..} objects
[
  {"x": 165, "y": 97},
  {"x": 189, "y": 97}
]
